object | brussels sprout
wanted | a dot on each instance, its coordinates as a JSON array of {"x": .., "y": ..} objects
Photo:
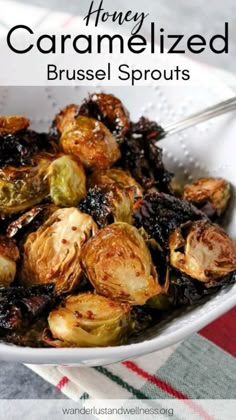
[
  {"x": 88, "y": 320},
  {"x": 114, "y": 176},
  {"x": 9, "y": 254},
  {"x": 160, "y": 302},
  {"x": 22, "y": 188},
  {"x": 19, "y": 306},
  {"x": 64, "y": 118},
  {"x": 67, "y": 181},
  {"x": 51, "y": 254},
  {"x": 30, "y": 221},
  {"x": 108, "y": 204},
  {"x": 211, "y": 195},
  {"x": 90, "y": 141},
  {"x": 143, "y": 159},
  {"x": 12, "y": 124},
  {"x": 110, "y": 110},
  {"x": 18, "y": 149},
  {"x": 61, "y": 176},
  {"x": 203, "y": 251},
  {"x": 160, "y": 214},
  {"x": 118, "y": 264}
]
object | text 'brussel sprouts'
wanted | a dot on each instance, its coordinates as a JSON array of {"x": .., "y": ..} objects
[
  {"x": 203, "y": 251},
  {"x": 88, "y": 320},
  {"x": 9, "y": 254},
  {"x": 118, "y": 264},
  {"x": 91, "y": 142},
  {"x": 211, "y": 195},
  {"x": 51, "y": 254}
]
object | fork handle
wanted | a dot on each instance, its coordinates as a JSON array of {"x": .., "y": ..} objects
[{"x": 199, "y": 117}]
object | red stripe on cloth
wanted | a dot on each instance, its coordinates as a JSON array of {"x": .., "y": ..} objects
[
  {"x": 222, "y": 332},
  {"x": 167, "y": 388},
  {"x": 63, "y": 381}
]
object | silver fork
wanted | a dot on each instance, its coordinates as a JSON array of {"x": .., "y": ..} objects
[{"x": 199, "y": 117}]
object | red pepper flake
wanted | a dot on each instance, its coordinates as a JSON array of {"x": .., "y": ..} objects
[
  {"x": 58, "y": 219},
  {"x": 78, "y": 314},
  {"x": 74, "y": 228},
  {"x": 64, "y": 241},
  {"x": 90, "y": 315}
]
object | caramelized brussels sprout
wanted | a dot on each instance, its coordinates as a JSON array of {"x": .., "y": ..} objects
[
  {"x": 19, "y": 149},
  {"x": 22, "y": 188},
  {"x": 67, "y": 181},
  {"x": 19, "y": 306},
  {"x": 160, "y": 214},
  {"x": 143, "y": 159},
  {"x": 30, "y": 221},
  {"x": 88, "y": 320},
  {"x": 64, "y": 118},
  {"x": 12, "y": 124},
  {"x": 109, "y": 204},
  {"x": 90, "y": 141},
  {"x": 203, "y": 251},
  {"x": 211, "y": 195},
  {"x": 114, "y": 176},
  {"x": 9, "y": 254},
  {"x": 51, "y": 254},
  {"x": 118, "y": 264},
  {"x": 110, "y": 110},
  {"x": 59, "y": 176},
  {"x": 161, "y": 302}
]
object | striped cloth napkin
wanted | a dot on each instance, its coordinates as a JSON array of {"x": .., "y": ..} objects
[{"x": 201, "y": 367}]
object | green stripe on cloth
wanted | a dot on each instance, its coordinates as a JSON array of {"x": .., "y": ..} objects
[
  {"x": 115, "y": 378},
  {"x": 198, "y": 369}
]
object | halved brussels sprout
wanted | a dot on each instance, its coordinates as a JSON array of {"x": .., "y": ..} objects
[
  {"x": 118, "y": 264},
  {"x": 203, "y": 251},
  {"x": 23, "y": 187},
  {"x": 110, "y": 110},
  {"x": 211, "y": 195},
  {"x": 13, "y": 123},
  {"x": 109, "y": 204},
  {"x": 88, "y": 320},
  {"x": 67, "y": 181},
  {"x": 59, "y": 176},
  {"x": 51, "y": 254},
  {"x": 114, "y": 176},
  {"x": 9, "y": 254},
  {"x": 91, "y": 142}
]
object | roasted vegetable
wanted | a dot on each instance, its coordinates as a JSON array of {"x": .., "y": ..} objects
[
  {"x": 114, "y": 176},
  {"x": 143, "y": 159},
  {"x": 66, "y": 181},
  {"x": 51, "y": 254},
  {"x": 109, "y": 204},
  {"x": 160, "y": 214},
  {"x": 91, "y": 142},
  {"x": 18, "y": 149},
  {"x": 110, "y": 111},
  {"x": 64, "y": 118},
  {"x": 19, "y": 306},
  {"x": 203, "y": 251},
  {"x": 21, "y": 188},
  {"x": 118, "y": 264},
  {"x": 30, "y": 221},
  {"x": 88, "y": 320},
  {"x": 13, "y": 123},
  {"x": 9, "y": 254},
  {"x": 59, "y": 176},
  {"x": 211, "y": 195}
]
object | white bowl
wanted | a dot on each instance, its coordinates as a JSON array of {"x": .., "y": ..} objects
[{"x": 206, "y": 149}]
